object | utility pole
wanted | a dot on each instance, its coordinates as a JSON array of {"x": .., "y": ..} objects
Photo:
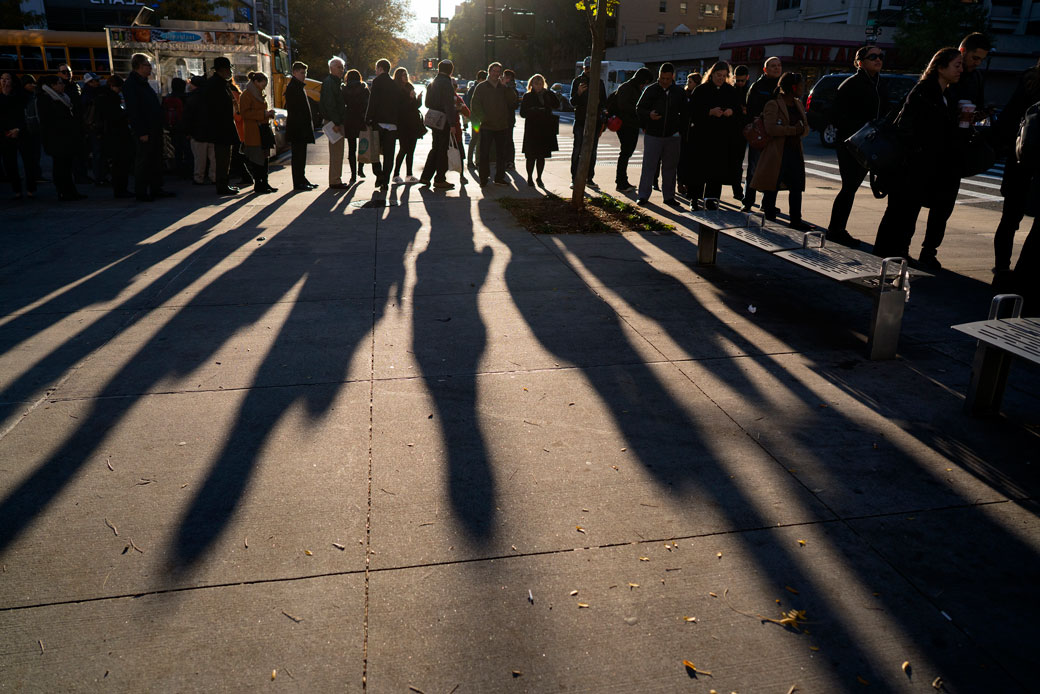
[
  {"x": 439, "y": 15},
  {"x": 489, "y": 31}
]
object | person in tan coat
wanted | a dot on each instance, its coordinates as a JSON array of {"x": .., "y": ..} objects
[
  {"x": 782, "y": 163},
  {"x": 257, "y": 135}
]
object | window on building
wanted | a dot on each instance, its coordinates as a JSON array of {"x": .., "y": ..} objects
[
  {"x": 663, "y": 7},
  {"x": 660, "y": 29},
  {"x": 711, "y": 10},
  {"x": 55, "y": 57},
  {"x": 682, "y": 8},
  {"x": 788, "y": 4}
]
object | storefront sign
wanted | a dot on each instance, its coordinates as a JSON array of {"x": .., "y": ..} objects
[
  {"x": 145, "y": 39},
  {"x": 823, "y": 54},
  {"x": 742, "y": 54}
]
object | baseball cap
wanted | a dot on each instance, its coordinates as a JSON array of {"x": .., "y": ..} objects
[{"x": 90, "y": 76}]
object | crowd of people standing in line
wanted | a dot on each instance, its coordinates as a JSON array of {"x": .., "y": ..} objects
[
  {"x": 694, "y": 142},
  {"x": 693, "y": 137}
]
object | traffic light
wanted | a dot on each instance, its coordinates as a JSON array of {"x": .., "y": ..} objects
[{"x": 429, "y": 64}]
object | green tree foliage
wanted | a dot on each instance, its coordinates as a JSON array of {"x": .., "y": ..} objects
[
  {"x": 929, "y": 25},
  {"x": 362, "y": 30},
  {"x": 561, "y": 38},
  {"x": 12, "y": 17}
]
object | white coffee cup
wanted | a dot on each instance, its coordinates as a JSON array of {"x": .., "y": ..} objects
[{"x": 967, "y": 114}]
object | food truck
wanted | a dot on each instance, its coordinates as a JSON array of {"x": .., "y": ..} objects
[{"x": 180, "y": 48}]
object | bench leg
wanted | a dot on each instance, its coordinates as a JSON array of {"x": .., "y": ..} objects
[
  {"x": 885, "y": 324},
  {"x": 989, "y": 374},
  {"x": 707, "y": 245}
]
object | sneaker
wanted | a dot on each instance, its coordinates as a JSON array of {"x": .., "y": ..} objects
[
  {"x": 411, "y": 179},
  {"x": 501, "y": 182},
  {"x": 625, "y": 187},
  {"x": 443, "y": 185},
  {"x": 398, "y": 179},
  {"x": 641, "y": 201}
]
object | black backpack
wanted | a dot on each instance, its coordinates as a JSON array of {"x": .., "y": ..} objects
[{"x": 1027, "y": 144}]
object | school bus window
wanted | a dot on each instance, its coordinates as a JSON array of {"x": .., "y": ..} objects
[
  {"x": 8, "y": 58},
  {"x": 101, "y": 60},
  {"x": 32, "y": 58},
  {"x": 55, "y": 57},
  {"x": 79, "y": 59}
]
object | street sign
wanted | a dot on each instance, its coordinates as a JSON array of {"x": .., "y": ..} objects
[{"x": 438, "y": 20}]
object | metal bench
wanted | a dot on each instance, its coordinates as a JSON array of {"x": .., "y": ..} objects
[
  {"x": 1000, "y": 340},
  {"x": 885, "y": 280}
]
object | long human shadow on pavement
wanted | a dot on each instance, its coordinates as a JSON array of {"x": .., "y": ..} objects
[
  {"x": 105, "y": 285},
  {"x": 679, "y": 452},
  {"x": 316, "y": 328},
  {"x": 151, "y": 363},
  {"x": 471, "y": 481},
  {"x": 675, "y": 305}
]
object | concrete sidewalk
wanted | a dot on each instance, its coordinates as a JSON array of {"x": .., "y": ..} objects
[{"x": 312, "y": 442}]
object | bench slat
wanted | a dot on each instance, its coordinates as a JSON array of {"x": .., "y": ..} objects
[{"x": 1018, "y": 336}]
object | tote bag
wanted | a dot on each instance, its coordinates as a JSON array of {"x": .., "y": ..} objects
[
  {"x": 454, "y": 155},
  {"x": 368, "y": 146}
]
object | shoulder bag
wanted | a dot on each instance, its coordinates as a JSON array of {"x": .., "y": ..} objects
[{"x": 756, "y": 135}]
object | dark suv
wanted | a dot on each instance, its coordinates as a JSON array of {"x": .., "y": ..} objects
[{"x": 821, "y": 99}]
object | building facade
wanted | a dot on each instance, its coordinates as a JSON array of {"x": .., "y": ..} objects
[
  {"x": 818, "y": 37},
  {"x": 269, "y": 16},
  {"x": 642, "y": 21}
]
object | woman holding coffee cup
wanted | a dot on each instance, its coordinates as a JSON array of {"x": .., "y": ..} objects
[{"x": 929, "y": 124}]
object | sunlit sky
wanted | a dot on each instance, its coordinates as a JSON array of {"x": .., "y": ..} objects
[{"x": 421, "y": 28}]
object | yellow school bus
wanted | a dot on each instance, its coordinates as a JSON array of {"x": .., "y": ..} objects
[{"x": 40, "y": 52}]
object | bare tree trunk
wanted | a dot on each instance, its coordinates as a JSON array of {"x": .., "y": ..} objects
[{"x": 588, "y": 139}]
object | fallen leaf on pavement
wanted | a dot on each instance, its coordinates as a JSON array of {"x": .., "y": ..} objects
[{"x": 693, "y": 669}]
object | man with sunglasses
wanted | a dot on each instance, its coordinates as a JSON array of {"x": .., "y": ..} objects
[{"x": 860, "y": 99}]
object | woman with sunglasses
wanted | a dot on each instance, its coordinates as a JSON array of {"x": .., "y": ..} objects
[{"x": 860, "y": 99}]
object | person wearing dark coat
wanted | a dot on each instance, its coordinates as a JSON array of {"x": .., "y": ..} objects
[
  {"x": 860, "y": 99},
  {"x": 716, "y": 121},
  {"x": 196, "y": 128},
  {"x": 927, "y": 124},
  {"x": 29, "y": 143},
  {"x": 12, "y": 124},
  {"x": 580, "y": 101},
  {"x": 536, "y": 108},
  {"x": 62, "y": 135},
  {"x": 662, "y": 113},
  {"x": 219, "y": 127},
  {"x": 117, "y": 145},
  {"x": 409, "y": 125},
  {"x": 75, "y": 94},
  {"x": 299, "y": 125},
  {"x": 782, "y": 164},
  {"x": 624, "y": 101},
  {"x": 355, "y": 101},
  {"x": 758, "y": 95},
  {"x": 145, "y": 115},
  {"x": 384, "y": 111},
  {"x": 1015, "y": 187},
  {"x": 440, "y": 97}
]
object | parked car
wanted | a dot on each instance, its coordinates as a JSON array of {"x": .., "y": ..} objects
[
  {"x": 564, "y": 92},
  {"x": 821, "y": 100}
]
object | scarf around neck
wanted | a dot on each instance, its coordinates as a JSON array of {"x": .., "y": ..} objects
[
  {"x": 256, "y": 92},
  {"x": 63, "y": 98}
]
